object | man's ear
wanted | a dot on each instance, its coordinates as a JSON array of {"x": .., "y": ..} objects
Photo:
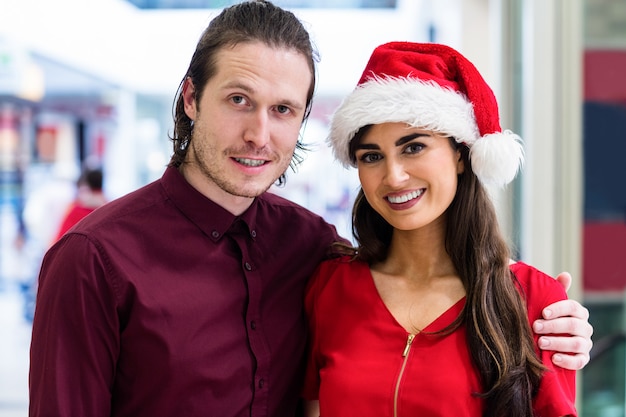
[{"x": 189, "y": 98}]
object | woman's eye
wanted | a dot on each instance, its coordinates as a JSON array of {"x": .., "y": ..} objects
[
  {"x": 414, "y": 147},
  {"x": 370, "y": 157}
]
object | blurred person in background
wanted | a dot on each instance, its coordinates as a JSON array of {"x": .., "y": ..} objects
[
  {"x": 44, "y": 208},
  {"x": 50, "y": 211},
  {"x": 185, "y": 297},
  {"x": 89, "y": 196},
  {"x": 47, "y": 203}
]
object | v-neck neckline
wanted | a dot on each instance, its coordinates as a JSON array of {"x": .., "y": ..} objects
[{"x": 439, "y": 323}]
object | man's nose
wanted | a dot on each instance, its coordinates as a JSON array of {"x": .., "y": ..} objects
[{"x": 257, "y": 129}]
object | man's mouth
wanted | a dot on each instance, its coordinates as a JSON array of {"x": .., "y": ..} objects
[{"x": 250, "y": 162}]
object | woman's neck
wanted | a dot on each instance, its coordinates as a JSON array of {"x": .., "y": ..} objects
[{"x": 419, "y": 253}]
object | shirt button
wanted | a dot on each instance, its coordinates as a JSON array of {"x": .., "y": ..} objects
[
  {"x": 261, "y": 383},
  {"x": 253, "y": 325},
  {"x": 253, "y": 233},
  {"x": 248, "y": 266},
  {"x": 215, "y": 234}
]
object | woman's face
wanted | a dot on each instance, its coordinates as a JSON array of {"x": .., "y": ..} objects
[{"x": 409, "y": 175}]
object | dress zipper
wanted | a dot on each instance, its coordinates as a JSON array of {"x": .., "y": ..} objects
[{"x": 405, "y": 355}]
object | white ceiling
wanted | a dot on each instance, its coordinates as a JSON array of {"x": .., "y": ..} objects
[{"x": 148, "y": 51}]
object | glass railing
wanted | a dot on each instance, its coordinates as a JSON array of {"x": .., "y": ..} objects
[{"x": 603, "y": 379}]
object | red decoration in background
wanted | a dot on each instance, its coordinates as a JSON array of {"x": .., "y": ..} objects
[
  {"x": 604, "y": 72},
  {"x": 604, "y": 241},
  {"x": 46, "y": 143},
  {"x": 604, "y": 266}
]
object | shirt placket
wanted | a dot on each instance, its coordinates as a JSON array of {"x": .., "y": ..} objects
[{"x": 254, "y": 323}]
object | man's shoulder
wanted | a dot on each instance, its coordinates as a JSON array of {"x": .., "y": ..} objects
[
  {"x": 288, "y": 208},
  {"x": 273, "y": 199},
  {"x": 138, "y": 203},
  {"x": 283, "y": 216}
]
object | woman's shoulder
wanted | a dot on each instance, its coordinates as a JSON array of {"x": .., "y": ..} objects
[
  {"x": 333, "y": 279},
  {"x": 524, "y": 271},
  {"x": 337, "y": 268},
  {"x": 342, "y": 263},
  {"x": 536, "y": 282}
]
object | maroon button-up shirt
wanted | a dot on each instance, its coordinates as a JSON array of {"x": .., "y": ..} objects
[{"x": 162, "y": 303}]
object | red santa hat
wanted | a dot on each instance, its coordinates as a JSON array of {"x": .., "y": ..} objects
[{"x": 432, "y": 87}]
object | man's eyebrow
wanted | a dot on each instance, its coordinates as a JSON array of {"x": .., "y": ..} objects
[
  {"x": 237, "y": 84},
  {"x": 250, "y": 90}
]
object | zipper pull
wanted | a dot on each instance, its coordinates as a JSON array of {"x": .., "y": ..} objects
[{"x": 408, "y": 345}]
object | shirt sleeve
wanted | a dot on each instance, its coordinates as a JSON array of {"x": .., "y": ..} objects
[
  {"x": 311, "y": 387},
  {"x": 557, "y": 390},
  {"x": 75, "y": 340}
]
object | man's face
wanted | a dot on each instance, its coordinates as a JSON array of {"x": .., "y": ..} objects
[{"x": 247, "y": 122}]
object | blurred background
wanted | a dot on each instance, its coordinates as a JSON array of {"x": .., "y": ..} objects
[{"x": 91, "y": 84}]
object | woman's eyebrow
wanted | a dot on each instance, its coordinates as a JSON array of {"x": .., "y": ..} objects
[
  {"x": 408, "y": 138},
  {"x": 366, "y": 146},
  {"x": 399, "y": 142}
]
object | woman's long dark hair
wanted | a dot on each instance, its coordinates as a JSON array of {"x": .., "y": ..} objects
[{"x": 498, "y": 334}]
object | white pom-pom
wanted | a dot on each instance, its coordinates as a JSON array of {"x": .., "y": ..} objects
[{"x": 496, "y": 158}]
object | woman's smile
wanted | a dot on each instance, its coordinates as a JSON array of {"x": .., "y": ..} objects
[{"x": 403, "y": 198}]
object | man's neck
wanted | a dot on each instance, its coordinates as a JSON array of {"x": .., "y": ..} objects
[{"x": 233, "y": 203}]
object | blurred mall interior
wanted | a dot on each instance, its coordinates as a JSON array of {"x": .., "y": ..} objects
[{"x": 93, "y": 82}]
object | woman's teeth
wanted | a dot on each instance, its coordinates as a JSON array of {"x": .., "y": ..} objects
[{"x": 404, "y": 198}]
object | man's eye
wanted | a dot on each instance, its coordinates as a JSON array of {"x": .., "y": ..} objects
[
  {"x": 238, "y": 99},
  {"x": 282, "y": 109}
]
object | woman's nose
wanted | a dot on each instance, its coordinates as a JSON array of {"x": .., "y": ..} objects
[{"x": 395, "y": 173}]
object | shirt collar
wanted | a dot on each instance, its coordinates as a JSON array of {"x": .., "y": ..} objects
[{"x": 209, "y": 216}]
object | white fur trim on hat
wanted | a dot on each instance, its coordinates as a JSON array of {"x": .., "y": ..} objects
[
  {"x": 418, "y": 103},
  {"x": 496, "y": 157}
]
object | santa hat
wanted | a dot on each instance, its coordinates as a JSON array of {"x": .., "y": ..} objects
[{"x": 432, "y": 87}]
